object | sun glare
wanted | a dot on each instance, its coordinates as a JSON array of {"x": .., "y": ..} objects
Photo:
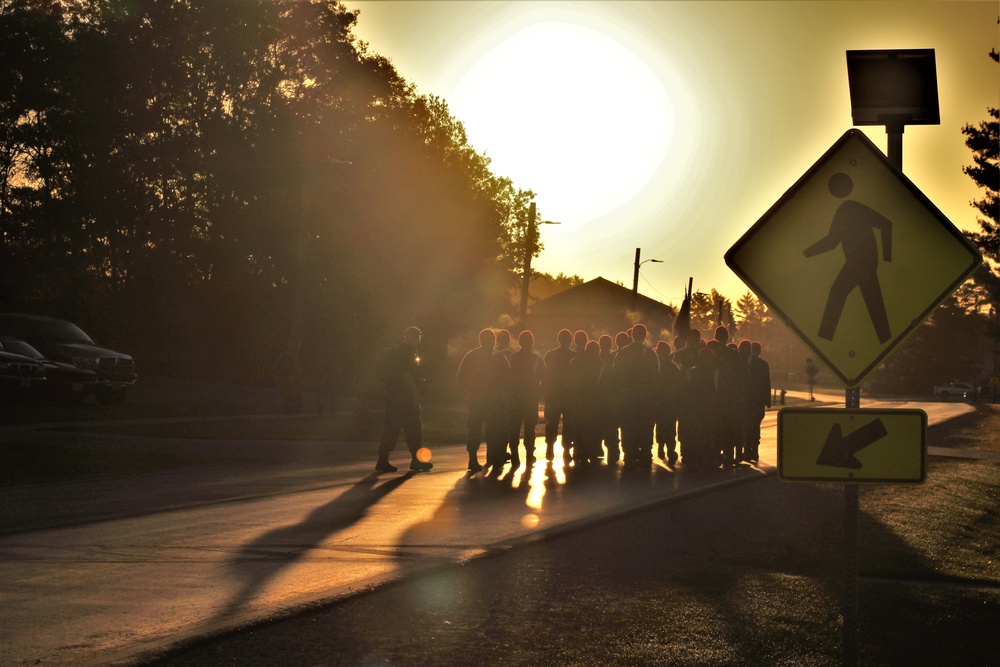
[{"x": 569, "y": 113}]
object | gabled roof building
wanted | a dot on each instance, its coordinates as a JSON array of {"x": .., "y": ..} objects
[{"x": 598, "y": 307}]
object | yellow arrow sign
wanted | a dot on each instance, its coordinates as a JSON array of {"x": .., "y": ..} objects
[
  {"x": 853, "y": 257},
  {"x": 852, "y": 446}
]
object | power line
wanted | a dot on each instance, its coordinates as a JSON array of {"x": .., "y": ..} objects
[{"x": 665, "y": 296}]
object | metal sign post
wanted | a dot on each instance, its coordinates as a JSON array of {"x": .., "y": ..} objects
[
  {"x": 855, "y": 447},
  {"x": 891, "y": 88},
  {"x": 849, "y": 605}
]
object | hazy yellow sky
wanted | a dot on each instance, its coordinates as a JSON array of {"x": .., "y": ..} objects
[{"x": 674, "y": 126}]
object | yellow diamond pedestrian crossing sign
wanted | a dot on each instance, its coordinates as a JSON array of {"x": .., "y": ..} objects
[
  {"x": 852, "y": 446},
  {"x": 853, "y": 257}
]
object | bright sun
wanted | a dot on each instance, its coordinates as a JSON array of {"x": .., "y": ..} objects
[{"x": 569, "y": 113}]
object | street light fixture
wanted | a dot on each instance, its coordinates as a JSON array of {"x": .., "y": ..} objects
[
  {"x": 529, "y": 251},
  {"x": 635, "y": 275}
]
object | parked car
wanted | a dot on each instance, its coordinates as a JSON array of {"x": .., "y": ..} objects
[
  {"x": 62, "y": 341},
  {"x": 18, "y": 375},
  {"x": 63, "y": 382},
  {"x": 959, "y": 390}
]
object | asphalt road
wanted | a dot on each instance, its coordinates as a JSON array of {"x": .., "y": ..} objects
[{"x": 140, "y": 563}]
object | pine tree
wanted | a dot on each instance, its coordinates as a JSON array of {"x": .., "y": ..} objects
[{"x": 984, "y": 142}]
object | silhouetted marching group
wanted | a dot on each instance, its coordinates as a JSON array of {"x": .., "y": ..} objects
[{"x": 616, "y": 399}]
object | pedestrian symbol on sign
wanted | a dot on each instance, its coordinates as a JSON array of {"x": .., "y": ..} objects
[
  {"x": 853, "y": 228},
  {"x": 829, "y": 267}
]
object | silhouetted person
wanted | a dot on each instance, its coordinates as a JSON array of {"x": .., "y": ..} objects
[
  {"x": 699, "y": 430},
  {"x": 686, "y": 354},
  {"x": 638, "y": 368},
  {"x": 730, "y": 392},
  {"x": 608, "y": 400},
  {"x": 511, "y": 430},
  {"x": 852, "y": 228},
  {"x": 503, "y": 345},
  {"x": 735, "y": 406},
  {"x": 812, "y": 370},
  {"x": 484, "y": 374},
  {"x": 526, "y": 368},
  {"x": 580, "y": 340},
  {"x": 685, "y": 357},
  {"x": 667, "y": 395},
  {"x": 758, "y": 399},
  {"x": 554, "y": 389},
  {"x": 613, "y": 399},
  {"x": 402, "y": 380},
  {"x": 584, "y": 372}
]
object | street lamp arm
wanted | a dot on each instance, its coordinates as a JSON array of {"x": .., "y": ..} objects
[{"x": 635, "y": 275}]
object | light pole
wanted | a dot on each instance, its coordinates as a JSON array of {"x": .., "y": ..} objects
[
  {"x": 635, "y": 276},
  {"x": 529, "y": 251}
]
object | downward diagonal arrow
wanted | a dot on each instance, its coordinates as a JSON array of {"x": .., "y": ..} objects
[{"x": 839, "y": 450}]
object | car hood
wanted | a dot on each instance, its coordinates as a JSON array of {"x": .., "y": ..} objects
[
  {"x": 11, "y": 358},
  {"x": 70, "y": 350}
]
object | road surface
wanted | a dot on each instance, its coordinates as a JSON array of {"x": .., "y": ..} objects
[{"x": 145, "y": 561}]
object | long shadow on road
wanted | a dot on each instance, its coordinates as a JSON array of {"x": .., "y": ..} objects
[
  {"x": 746, "y": 577},
  {"x": 263, "y": 559}
]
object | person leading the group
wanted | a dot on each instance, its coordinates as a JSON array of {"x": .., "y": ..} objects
[{"x": 402, "y": 379}]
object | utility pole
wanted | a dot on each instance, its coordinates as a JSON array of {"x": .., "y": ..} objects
[
  {"x": 529, "y": 251},
  {"x": 529, "y": 247},
  {"x": 635, "y": 276}
]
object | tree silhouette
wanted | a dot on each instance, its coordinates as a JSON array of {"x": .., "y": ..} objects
[
  {"x": 984, "y": 142},
  {"x": 176, "y": 174},
  {"x": 753, "y": 317}
]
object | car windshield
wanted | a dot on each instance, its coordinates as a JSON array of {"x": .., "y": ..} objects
[
  {"x": 58, "y": 331},
  {"x": 19, "y": 347}
]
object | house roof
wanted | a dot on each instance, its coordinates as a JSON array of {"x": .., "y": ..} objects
[{"x": 599, "y": 295}]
